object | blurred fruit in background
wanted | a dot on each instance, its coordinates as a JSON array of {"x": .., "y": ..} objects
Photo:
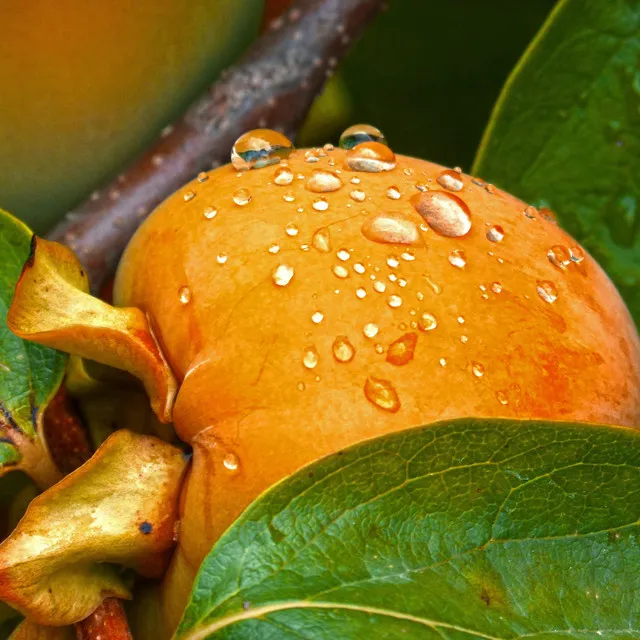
[{"x": 88, "y": 85}]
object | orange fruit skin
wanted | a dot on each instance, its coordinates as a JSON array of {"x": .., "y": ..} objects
[{"x": 238, "y": 345}]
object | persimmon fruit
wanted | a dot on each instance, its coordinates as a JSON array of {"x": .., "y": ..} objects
[{"x": 341, "y": 295}]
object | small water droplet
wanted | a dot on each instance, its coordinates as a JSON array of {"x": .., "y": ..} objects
[
  {"x": 184, "y": 294},
  {"x": 401, "y": 351},
  {"x": 301, "y": 386},
  {"x": 577, "y": 254},
  {"x": 489, "y": 188},
  {"x": 530, "y": 212},
  {"x": 242, "y": 197},
  {"x": 260, "y": 148},
  {"x": 370, "y": 330},
  {"x": 408, "y": 171},
  {"x": 282, "y": 275},
  {"x": 343, "y": 254},
  {"x": 501, "y": 397},
  {"x": 450, "y": 180},
  {"x": 393, "y": 262},
  {"x": 310, "y": 156},
  {"x": 464, "y": 339},
  {"x": 328, "y": 147},
  {"x": 222, "y": 258},
  {"x": 343, "y": 350},
  {"x": 548, "y": 215},
  {"x": 408, "y": 256},
  {"x": 283, "y": 176},
  {"x": 379, "y": 286},
  {"x": 274, "y": 248},
  {"x": 289, "y": 196},
  {"x": 445, "y": 213},
  {"x": 231, "y": 462},
  {"x": 340, "y": 271},
  {"x": 323, "y": 182},
  {"x": 358, "y": 267},
  {"x": 458, "y": 258},
  {"x": 321, "y": 240},
  {"x": 559, "y": 256},
  {"x": 390, "y": 229},
  {"x": 310, "y": 358},
  {"x": 547, "y": 290},
  {"x": 210, "y": 212},
  {"x": 317, "y": 317},
  {"x": 393, "y": 193},
  {"x": 460, "y": 320},
  {"x": 370, "y": 157},
  {"x": 394, "y": 301},
  {"x": 427, "y": 322},
  {"x": 496, "y": 287},
  {"x": 477, "y": 369},
  {"x": 320, "y": 204},
  {"x": 358, "y": 195},
  {"x": 361, "y": 292},
  {"x": 355, "y": 180},
  {"x": 202, "y": 177},
  {"x": 291, "y": 230},
  {"x": 189, "y": 195},
  {"x": 495, "y": 233},
  {"x": 382, "y": 394},
  {"x": 443, "y": 362},
  {"x": 360, "y": 133}
]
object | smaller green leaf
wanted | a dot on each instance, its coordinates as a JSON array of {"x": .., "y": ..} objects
[{"x": 470, "y": 529}]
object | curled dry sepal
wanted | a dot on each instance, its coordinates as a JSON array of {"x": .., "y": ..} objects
[{"x": 118, "y": 508}]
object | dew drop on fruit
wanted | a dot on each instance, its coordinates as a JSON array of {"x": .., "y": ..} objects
[
  {"x": 361, "y": 293},
  {"x": 382, "y": 394},
  {"x": 394, "y": 301},
  {"x": 370, "y": 330},
  {"x": 458, "y": 259},
  {"x": 393, "y": 262},
  {"x": 577, "y": 254},
  {"x": 370, "y": 157},
  {"x": 379, "y": 286},
  {"x": 231, "y": 462},
  {"x": 202, "y": 177},
  {"x": 502, "y": 398},
  {"x": 547, "y": 290},
  {"x": 530, "y": 212},
  {"x": 210, "y": 212},
  {"x": 496, "y": 287},
  {"x": 310, "y": 156},
  {"x": 401, "y": 351},
  {"x": 408, "y": 256},
  {"x": 291, "y": 230},
  {"x": 184, "y": 295},
  {"x": 343, "y": 255},
  {"x": 358, "y": 195},
  {"x": 321, "y": 240},
  {"x": 340, "y": 271},
  {"x": 358, "y": 267},
  {"x": 283, "y": 176},
  {"x": 310, "y": 358},
  {"x": 289, "y": 196},
  {"x": 260, "y": 148},
  {"x": 359, "y": 133},
  {"x": 342, "y": 349},
  {"x": 355, "y": 180},
  {"x": 495, "y": 233},
  {"x": 450, "y": 180},
  {"x": 559, "y": 256},
  {"x": 282, "y": 275},
  {"x": 189, "y": 195},
  {"x": 427, "y": 322},
  {"x": 477, "y": 369},
  {"x": 390, "y": 229},
  {"x": 393, "y": 193},
  {"x": 242, "y": 197},
  {"x": 320, "y": 204},
  {"x": 317, "y": 317},
  {"x": 222, "y": 258},
  {"x": 323, "y": 182},
  {"x": 445, "y": 213},
  {"x": 274, "y": 248}
]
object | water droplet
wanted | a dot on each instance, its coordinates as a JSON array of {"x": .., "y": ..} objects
[
  {"x": 445, "y": 213},
  {"x": 548, "y": 215},
  {"x": 320, "y": 204},
  {"x": 323, "y": 182},
  {"x": 393, "y": 193},
  {"x": 464, "y": 339},
  {"x": 394, "y": 301},
  {"x": 321, "y": 240},
  {"x": 427, "y": 322},
  {"x": 358, "y": 267},
  {"x": 291, "y": 230},
  {"x": 501, "y": 397},
  {"x": 547, "y": 290},
  {"x": 289, "y": 196},
  {"x": 301, "y": 386},
  {"x": 231, "y": 462},
  {"x": 379, "y": 286},
  {"x": 489, "y": 188},
  {"x": 477, "y": 369},
  {"x": 189, "y": 195},
  {"x": 361, "y": 293},
  {"x": 382, "y": 394},
  {"x": 340, "y": 271},
  {"x": 577, "y": 254},
  {"x": 358, "y": 195},
  {"x": 328, "y": 147},
  {"x": 210, "y": 212},
  {"x": 408, "y": 171},
  {"x": 450, "y": 180},
  {"x": 202, "y": 177},
  {"x": 317, "y": 317},
  {"x": 408, "y": 256},
  {"x": 559, "y": 256},
  {"x": 370, "y": 330},
  {"x": 495, "y": 233},
  {"x": 343, "y": 350},
  {"x": 274, "y": 248},
  {"x": 443, "y": 362},
  {"x": 260, "y": 148},
  {"x": 360, "y": 133},
  {"x": 393, "y": 262},
  {"x": 310, "y": 358},
  {"x": 371, "y": 157},
  {"x": 401, "y": 351},
  {"x": 530, "y": 212},
  {"x": 310, "y": 156},
  {"x": 222, "y": 258},
  {"x": 460, "y": 320},
  {"x": 355, "y": 180},
  {"x": 283, "y": 176},
  {"x": 184, "y": 295},
  {"x": 343, "y": 255},
  {"x": 402, "y": 282},
  {"x": 496, "y": 287},
  {"x": 458, "y": 258},
  {"x": 242, "y": 197},
  {"x": 282, "y": 275},
  {"x": 390, "y": 229}
]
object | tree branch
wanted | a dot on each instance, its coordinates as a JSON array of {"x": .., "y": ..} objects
[{"x": 272, "y": 86}]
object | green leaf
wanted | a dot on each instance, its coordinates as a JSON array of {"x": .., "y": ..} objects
[
  {"x": 566, "y": 132},
  {"x": 468, "y": 529}
]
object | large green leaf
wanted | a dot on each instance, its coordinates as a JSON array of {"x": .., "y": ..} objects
[
  {"x": 29, "y": 374},
  {"x": 468, "y": 529},
  {"x": 566, "y": 131}
]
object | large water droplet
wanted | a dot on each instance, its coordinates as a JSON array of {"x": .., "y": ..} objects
[
  {"x": 231, "y": 462},
  {"x": 343, "y": 350},
  {"x": 559, "y": 256},
  {"x": 260, "y": 148},
  {"x": 242, "y": 197},
  {"x": 450, "y": 180},
  {"x": 282, "y": 275},
  {"x": 283, "y": 176},
  {"x": 184, "y": 295},
  {"x": 379, "y": 286},
  {"x": 547, "y": 290},
  {"x": 310, "y": 358},
  {"x": 323, "y": 182},
  {"x": 445, "y": 213},
  {"x": 495, "y": 233},
  {"x": 359, "y": 133},
  {"x": 321, "y": 240},
  {"x": 382, "y": 394},
  {"x": 391, "y": 229},
  {"x": 458, "y": 258},
  {"x": 427, "y": 322},
  {"x": 371, "y": 157},
  {"x": 401, "y": 351}
]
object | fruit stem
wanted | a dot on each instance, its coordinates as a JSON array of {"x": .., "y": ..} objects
[{"x": 107, "y": 622}]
